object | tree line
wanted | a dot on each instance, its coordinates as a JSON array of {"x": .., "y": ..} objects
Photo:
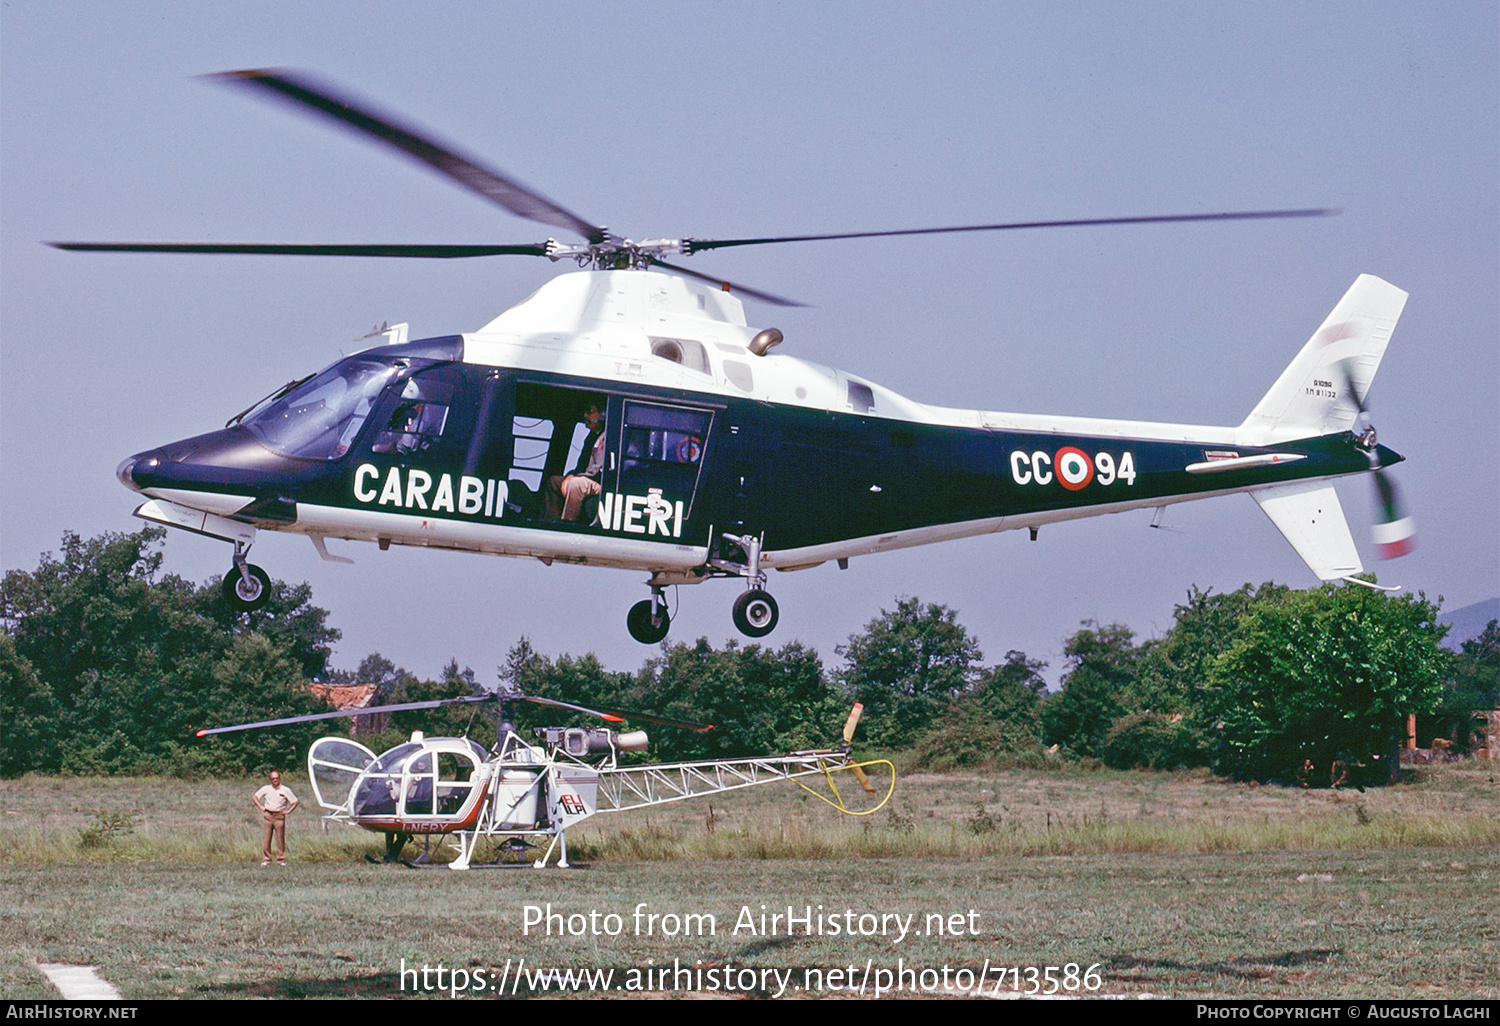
[{"x": 107, "y": 665}]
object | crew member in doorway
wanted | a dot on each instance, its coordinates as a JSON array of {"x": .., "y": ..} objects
[{"x": 566, "y": 493}]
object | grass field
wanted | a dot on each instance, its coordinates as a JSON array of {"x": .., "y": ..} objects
[{"x": 1174, "y": 885}]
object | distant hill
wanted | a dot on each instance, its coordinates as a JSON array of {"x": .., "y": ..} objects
[{"x": 1469, "y": 622}]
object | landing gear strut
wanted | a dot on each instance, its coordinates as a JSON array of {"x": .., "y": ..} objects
[
  {"x": 647, "y": 620},
  {"x": 246, "y": 586},
  {"x": 755, "y": 612}
]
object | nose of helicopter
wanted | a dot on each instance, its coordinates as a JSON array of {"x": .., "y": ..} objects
[{"x": 124, "y": 472}]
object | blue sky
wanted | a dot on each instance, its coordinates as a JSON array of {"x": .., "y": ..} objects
[{"x": 764, "y": 118}]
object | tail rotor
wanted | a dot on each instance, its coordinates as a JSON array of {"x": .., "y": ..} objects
[
  {"x": 856, "y": 768},
  {"x": 1394, "y": 531}
]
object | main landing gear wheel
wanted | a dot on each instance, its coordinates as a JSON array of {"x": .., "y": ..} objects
[
  {"x": 246, "y": 588},
  {"x": 755, "y": 613},
  {"x": 645, "y": 627}
]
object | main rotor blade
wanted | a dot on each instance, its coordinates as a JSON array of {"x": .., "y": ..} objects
[
  {"x": 619, "y": 715},
  {"x": 438, "y": 252},
  {"x": 345, "y": 713},
  {"x": 698, "y": 245},
  {"x": 304, "y": 91},
  {"x": 768, "y": 297}
]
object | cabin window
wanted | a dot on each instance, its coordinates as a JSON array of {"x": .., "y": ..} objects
[
  {"x": 455, "y": 782},
  {"x": 738, "y": 374},
  {"x": 381, "y": 785},
  {"x": 418, "y": 786},
  {"x": 533, "y": 440},
  {"x": 662, "y": 450},
  {"x": 664, "y": 434}
]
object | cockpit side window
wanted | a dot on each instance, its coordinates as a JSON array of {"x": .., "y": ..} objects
[
  {"x": 416, "y": 422},
  {"x": 320, "y": 419}
]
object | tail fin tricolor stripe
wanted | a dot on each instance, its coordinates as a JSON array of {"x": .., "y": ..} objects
[
  {"x": 1313, "y": 395},
  {"x": 1395, "y": 534}
]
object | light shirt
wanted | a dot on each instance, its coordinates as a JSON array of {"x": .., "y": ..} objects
[{"x": 275, "y": 799}]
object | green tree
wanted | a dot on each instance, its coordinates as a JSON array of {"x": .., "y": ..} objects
[
  {"x": 1325, "y": 674},
  {"x": 1151, "y": 740},
  {"x": 28, "y": 715},
  {"x": 460, "y": 719},
  {"x": 1012, "y": 691},
  {"x": 135, "y": 660},
  {"x": 759, "y": 700},
  {"x": 289, "y": 619},
  {"x": 906, "y": 666},
  {"x": 1471, "y": 685},
  {"x": 997, "y": 722},
  {"x": 1103, "y": 664},
  {"x": 1173, "y": 669}
]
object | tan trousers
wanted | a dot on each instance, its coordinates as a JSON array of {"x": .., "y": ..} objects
[
  {"x": 565, "y": 495},
  {"x": 275, "y": 826}
]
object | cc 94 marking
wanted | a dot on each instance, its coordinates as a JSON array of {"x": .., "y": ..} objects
[{"x": 1071, "y": 467}]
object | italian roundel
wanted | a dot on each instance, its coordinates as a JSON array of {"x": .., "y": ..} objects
[{"x": 1074, "y": 468}]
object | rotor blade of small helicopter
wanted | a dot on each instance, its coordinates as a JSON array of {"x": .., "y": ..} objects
[
  {"x": 619, "y": 715},
  {"x": 439, "y": 252},
  {"x": 863, "y": 778},
  {"x": 768, "y": 297},
  {"x": 665, "y": 721},
  {"x": 345, "y": 713},
  {"x": 568, "y": 705},
  {"x": 698, "y": 245},
  {"x": 304, "y": 91},
  {"x": 852, "y": 722}
]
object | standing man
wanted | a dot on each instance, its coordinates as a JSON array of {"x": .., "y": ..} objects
[{"x": 275, "y": 804}]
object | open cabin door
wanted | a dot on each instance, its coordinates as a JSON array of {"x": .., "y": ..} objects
[
  {"x": 660, "y": 467},
  {"x": 333, "y": 765}
]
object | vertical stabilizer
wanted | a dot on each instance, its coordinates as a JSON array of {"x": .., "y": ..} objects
[{"x": 1312, "y": 395}]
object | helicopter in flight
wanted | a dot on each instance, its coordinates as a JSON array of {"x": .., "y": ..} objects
[
  {"x": 432, "y": 787},
  {"x": 627, "y": 415}
]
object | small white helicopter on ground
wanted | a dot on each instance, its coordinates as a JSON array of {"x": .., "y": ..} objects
[
  {"x": 629, "y": 418},
  {"x": 429, "y": 787}
]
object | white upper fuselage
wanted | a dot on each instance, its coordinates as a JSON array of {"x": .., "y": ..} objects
[{"x": 602, "y": 324}]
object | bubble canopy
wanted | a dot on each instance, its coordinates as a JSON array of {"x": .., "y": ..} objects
[{"x": 434, "y": 779}]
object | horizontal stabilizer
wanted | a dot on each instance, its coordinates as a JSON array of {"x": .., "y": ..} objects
[{"x": 1308, "y": 514}]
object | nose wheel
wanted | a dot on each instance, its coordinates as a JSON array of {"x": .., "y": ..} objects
[
  {"x": 246, "y": 587},
  {"x": 647, "y": 620}
]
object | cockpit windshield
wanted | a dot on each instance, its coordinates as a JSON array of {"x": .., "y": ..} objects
[{"x": 320, "y": 418}]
